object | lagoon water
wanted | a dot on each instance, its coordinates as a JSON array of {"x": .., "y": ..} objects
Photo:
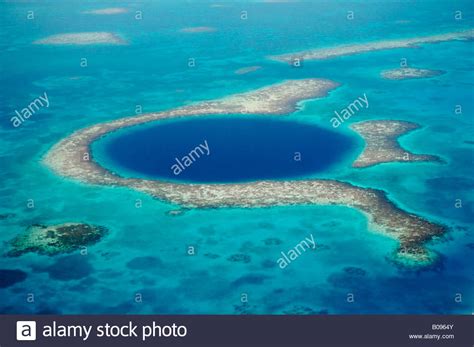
[
  {"x": 223, "y": 149},
  {"x": 145, "y": 251}
]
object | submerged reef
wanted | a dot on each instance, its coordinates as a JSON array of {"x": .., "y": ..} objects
[
  {"x": 55, "y": 239},
  {"x": 66, "y": 159},
  {"x": 382, "y": 145},
  {"x": 409, "y": 73}
]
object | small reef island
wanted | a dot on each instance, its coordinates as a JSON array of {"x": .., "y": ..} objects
[
  {"x": 87, "y": 38},
  {"x": 382, "y": 145},
  {"x": 246, "y": 70},
  {"x": 55, "y": 239},
  {"x": 409, "y": 73},
  {"x": 338, "y": 51},
  {"x": 107, "y": 11},
  {"x": 66, "y": 159}
]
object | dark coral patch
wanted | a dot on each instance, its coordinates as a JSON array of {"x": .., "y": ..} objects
[
  {"x": 245, "y": 309},
  {"x": 268, "y": 263},
  {"x": 48, "y": 310},
  {"x": 350, "y": 277},
  {"x": 266, "y": 225},
  {"x": 4, "y": 216},
  {"x": 355, "y": 271},
  {"x": 10, "y": 277},
  {"x": 254, "y": 279},
  {"x": 239, "y": 258},
  {"x": 304, "y": 310},
  {"x": 144, "y": 263},
  {"x": 321, "y": 247},
  {"x": 272, "y": 241},
  {"x": 56, "y": 239},
  {"x": 71, "y": 267},
  {"x": 212, "y": 255}
]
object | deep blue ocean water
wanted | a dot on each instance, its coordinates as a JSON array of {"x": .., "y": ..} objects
[
  {"x": 145, "y": 251},
  {"x": 223, "y": 149}
]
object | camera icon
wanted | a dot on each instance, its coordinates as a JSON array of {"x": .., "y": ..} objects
[{"x": 26, "y": 330}]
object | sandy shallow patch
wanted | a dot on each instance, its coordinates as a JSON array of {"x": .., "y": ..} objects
[
  {"x": 89, "y": 38},
  {"x": 107, "y": 11},
  {"x": 409, "y": 73},
  {"x": 191, "y": 30}
]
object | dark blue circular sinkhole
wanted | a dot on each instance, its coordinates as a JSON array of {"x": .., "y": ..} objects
[{"x": 223, "y": 149}]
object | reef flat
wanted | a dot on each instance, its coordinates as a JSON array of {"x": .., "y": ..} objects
[
  {"x": 412, "y": 231},
  {"x": 191, "y": 30},
  {"x": 409, "y": 73},
  {"x": 382, "y": 145},
  {"x": 107, "y": 11},
  {"x": 89, "y": 38},
  {"x": 246, "y": 70},
  {"x": 55, "y": 239},
  {"x": 67, "y": 159},
  {"x": 338, "y": 51}
]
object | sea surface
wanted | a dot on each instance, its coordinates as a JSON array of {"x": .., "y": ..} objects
[{"x": 146, "y": 253}]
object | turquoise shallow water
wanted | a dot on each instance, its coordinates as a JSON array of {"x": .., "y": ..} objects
[{"x": 145, "y": 251}]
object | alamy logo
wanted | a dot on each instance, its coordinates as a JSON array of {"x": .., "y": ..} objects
[
  {"x": 190, "y": 158},
  {"x": 30, "y": 110},
  {"x": 26, "y": 331}
]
